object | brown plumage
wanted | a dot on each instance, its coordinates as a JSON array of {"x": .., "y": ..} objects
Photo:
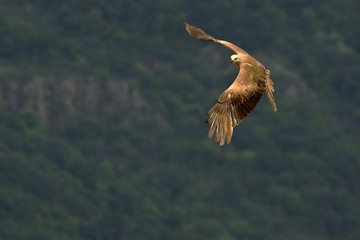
[{"x": 236, "y": 102}]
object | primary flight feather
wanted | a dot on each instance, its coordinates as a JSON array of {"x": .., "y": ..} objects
[{"x": 237, "y": 101}]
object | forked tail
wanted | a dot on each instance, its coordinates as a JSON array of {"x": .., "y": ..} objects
[{"x": 270, "y": 90}]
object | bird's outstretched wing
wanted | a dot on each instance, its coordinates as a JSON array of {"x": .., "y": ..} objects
[
  {"x": 199, "y": 34},
  {"x": 236, "y": 102}
]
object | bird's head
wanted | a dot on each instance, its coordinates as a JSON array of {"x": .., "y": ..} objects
[{"x": 235, "y": 59}]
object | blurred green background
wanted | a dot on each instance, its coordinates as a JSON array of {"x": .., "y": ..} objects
[{"x": 102, "y": 125}]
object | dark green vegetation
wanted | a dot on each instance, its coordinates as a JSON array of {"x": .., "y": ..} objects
[{"x": 102, "y": 132}]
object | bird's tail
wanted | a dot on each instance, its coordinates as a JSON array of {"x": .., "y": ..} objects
[
  {"x": 198, "y": 33},
  {"x": 270, "y": 90}
]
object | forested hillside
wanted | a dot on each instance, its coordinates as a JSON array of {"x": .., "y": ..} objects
[{"x": 102, "y": 125}]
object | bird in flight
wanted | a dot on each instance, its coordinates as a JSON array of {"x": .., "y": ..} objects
[{"x": 238, "y": 100}]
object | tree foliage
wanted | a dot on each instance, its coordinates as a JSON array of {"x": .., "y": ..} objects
[{"x": 102, "y": 131}]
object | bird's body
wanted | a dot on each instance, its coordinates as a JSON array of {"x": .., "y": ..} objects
[{"x": 244, "y": 93}]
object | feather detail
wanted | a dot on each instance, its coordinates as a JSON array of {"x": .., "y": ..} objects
[{"x": 237, "y": 101}]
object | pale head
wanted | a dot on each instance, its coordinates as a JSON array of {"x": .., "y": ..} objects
[{"x": 235, "y": 59}]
